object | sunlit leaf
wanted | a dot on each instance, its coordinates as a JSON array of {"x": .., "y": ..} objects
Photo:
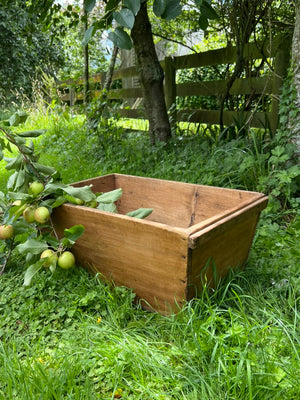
[
  {"x": 74, "y": 233},
  {"x": 110, "y": 197},
  {"x": 124, "y": 18}
]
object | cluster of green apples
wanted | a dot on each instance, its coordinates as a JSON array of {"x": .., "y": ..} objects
[
  {"x": 64, "y": 259},
  {"x": 40, "y": 215}
]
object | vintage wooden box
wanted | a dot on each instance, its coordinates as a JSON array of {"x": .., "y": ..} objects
[{"x": 193, "y": 232}]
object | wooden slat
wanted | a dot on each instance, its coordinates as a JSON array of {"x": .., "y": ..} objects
[
  {"x": 258, "y": 119},
  {"x": 217, "y": 88}
]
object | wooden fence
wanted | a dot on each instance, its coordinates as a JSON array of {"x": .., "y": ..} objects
[{"x": 276, "y": 55}]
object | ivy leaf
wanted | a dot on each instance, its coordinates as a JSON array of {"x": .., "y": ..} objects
[
  {"x": 110, "y": 197},
  {"x": 120, "y": 38},
  {"x": 31, "y": 271},
  {"x": 124, "y": 18},
  {"x": 133, "y": 5},
  {"x": 33, "y": 246},
  {"x": 140, "y": 213}
]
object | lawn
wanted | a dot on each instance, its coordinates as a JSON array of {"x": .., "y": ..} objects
[{"x": 75, "y": 336}]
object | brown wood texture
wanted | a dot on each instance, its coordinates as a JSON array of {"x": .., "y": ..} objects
[
  {"x": 221, "y": 246},
  {"x": 140, "y": 255},
  {"x": 162, "y": 257}
]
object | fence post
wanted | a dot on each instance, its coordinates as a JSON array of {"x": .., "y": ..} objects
[
  {"x": 170, "y": 88},
  {"x": 281, "y": 65}
]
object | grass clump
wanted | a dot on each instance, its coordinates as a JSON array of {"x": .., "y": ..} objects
[{"x": 74, "y": 336}]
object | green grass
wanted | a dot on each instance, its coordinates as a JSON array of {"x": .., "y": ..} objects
[{"x": 73, "y": 336}]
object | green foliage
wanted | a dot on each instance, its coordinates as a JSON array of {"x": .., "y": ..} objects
[{"x": 25, "y": 50}]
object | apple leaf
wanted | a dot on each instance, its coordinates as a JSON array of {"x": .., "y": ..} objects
[
  {"x": 33, "y": 246},
  {"x": 74, "y": 233},
  {"x": 89, "y": 5},
  {"x": 31, "y": 271},
  {"x": 207, "y": 10},
  {"x": 133, "y": 5},
  {"x": 109, "y": 207},
  {"x": 87, "y": 35},
  {"x": 110, "y": 197},
  {"x": 83, "y": 192},
  {"x": 120, "y": 38},
  {"x": 32, "y": 134},
  {"x": 124, "y": 18},
  {"x": 172, "y": 10},
  {"x": 140, "y": 213},
  {"x": 159, "y": 7}
]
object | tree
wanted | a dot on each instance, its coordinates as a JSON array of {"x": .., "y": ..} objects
[{"x": 133, "y": 16}]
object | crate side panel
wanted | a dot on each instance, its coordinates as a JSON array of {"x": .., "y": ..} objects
[
  {"x": 104, "y": 183},
  {"x": 177, "y": 203},
  {"x": 149, "y": 259},
  {"x": 221, "y": 247}
]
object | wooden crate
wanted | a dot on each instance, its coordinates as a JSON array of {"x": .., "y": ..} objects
[{"x": 193, "y": 232}]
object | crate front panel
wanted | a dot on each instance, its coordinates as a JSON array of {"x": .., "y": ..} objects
[{"x": 150, "y": 259}]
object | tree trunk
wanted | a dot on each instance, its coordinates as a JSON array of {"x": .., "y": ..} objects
[
  {"x": 86, "y": 95},
  {"x": 109, "y": 75},
  {"x": 296, "y": 65},
  {"x": 151, "y": 77}
]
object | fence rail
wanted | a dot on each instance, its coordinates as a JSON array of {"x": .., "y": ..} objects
[{"x": 275, "y": 53}]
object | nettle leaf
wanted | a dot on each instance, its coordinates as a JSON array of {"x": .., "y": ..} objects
[
  {"x": 109, "y": 207},
  {"x": 140, "y": 213},
  {"x": 121, "y": 39},
  {"x": 32, "y": 134},
  {"x": 207, "y": 10},
  {"x": 125, "y": 18},
  {"x": 133, "y": 5},
  {"x": 33, "y": 246},
  {"x": 74, "y": 233},
  {"x": 172, "y": 10},
  {"x": 110, "y": 197},
  {"x": 31, "y": 271},
  {"x": 89, "y": 5},
  {"x": 159, "y": 7}
]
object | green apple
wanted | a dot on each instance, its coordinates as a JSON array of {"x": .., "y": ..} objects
[
  {"x": 6, "y": 232},
  {"x": 41, "y": 215},
  {"x": 66, "y": 260},
  {"x": 50, "y": 257},
  {"x": 28, "y": 214},
  {"x": 36, "y": 188}
]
